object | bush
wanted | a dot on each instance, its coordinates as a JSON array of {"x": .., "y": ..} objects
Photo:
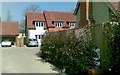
[
  {"x": 114, "y": 45},
  {"x": 65, "y": 51}
]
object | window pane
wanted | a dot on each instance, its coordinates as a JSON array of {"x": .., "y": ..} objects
[
  {"x": 36, "y": 36},
  {"x": 36, "y": 23},
  {"x": 39, "y": 36},
  {"x": 41, "y": 24}
]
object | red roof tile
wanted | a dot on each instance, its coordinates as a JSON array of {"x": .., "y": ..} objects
[
  {"x": 32, "y": 16},
  {"x": 116, "y": 5},
  {"x": 9, "y": 28},
  {"x": 59, "y": 16}
]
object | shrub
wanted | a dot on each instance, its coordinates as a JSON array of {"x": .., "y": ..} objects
[
  {"x": 114, "y": 45},
  {"x": 65, "y": 51}
]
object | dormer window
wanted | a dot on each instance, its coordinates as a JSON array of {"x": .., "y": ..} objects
[
  {"x": 58, "y": 24},
  {"x": 71, "y": 24},
  {"x": 39, "y": 23}
]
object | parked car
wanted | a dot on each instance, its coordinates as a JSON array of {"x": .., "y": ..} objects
[
  {"x": 32, "y": 42},
  {"x": 6, "y": 43}
]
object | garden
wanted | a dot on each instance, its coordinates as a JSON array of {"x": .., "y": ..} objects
[{"x": 95, "y": 50}]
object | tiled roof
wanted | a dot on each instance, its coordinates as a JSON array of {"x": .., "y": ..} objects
[
  {"x": 115, "y": 5},
  {"x": 9, "y": 28},
  {"x": 59, "y": 16},
  {"x": 33, "y": 16}
]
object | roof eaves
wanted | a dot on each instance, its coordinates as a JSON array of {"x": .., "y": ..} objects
[
  {"x": 113, "y": 9},
  {"x": 77, "y": 8}
]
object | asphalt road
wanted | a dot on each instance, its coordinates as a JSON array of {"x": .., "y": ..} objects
[{"x": 23, "y": 60}]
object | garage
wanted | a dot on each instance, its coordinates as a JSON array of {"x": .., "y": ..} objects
[{"x": 10, "y": 31}]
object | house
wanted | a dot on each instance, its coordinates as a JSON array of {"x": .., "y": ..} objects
[
  {"x": 35, "y": 26},
  {"x": 90, "y": 13},
  {"x": 57, "y": 21},
  {"x": 97, "y": 14},
  {"x": 10, "y": 31}
]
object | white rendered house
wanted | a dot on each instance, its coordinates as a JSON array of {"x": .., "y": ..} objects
[
  {"x": 39, "y": 31},
  {"x": 35, "y": 26}
]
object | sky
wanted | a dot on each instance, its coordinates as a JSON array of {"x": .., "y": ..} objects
[{"x": 17, "y": 9}]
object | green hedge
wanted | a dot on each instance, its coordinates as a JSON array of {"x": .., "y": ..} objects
[{"x": 65, "y": 51}]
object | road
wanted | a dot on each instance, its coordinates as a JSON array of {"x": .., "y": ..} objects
[{"x": 23, "y": 60}]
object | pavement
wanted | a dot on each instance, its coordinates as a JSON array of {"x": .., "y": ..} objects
[{"x": 24, "y": 60}]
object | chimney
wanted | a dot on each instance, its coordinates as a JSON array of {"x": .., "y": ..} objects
[
  {"x": 90, "y": 14},
  {"x": 86, "y": 15},
  {"x": 83, "y": 20}
]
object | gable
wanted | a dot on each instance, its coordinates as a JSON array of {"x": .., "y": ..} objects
[
  {"x": 59, "y": 16},
  {"x": 34, "y": 16},
  {"x": 100, "y": 12}
]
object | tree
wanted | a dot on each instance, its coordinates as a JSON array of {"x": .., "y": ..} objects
[
  {"x": 31, "y": 8},
  {"x": 0, "y": 19},
  {"x": 115, "y": 46},
  {"x": 9, "y": 16}
]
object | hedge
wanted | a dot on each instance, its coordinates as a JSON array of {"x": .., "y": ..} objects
[{"x": 65, "y": 51}]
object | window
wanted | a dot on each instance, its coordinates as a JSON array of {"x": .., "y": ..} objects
[
  {"x": 39, "y": 24},
  {"x": 39, "y": 36},
  {"x": 71, "y": 24},
  {"x": 36, "y": 24},
  {"x": 36, "y": 36},
  {"x": 58, "y": 24}
]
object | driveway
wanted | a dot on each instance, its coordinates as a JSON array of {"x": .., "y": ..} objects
[{"x": 23, "y": 60}]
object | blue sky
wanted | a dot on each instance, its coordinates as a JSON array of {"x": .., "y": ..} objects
[{"x": 17, "y": 8}]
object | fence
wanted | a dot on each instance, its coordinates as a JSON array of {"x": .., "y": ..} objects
[{"x": 100, "y": 35}]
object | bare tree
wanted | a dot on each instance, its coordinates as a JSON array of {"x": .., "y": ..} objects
[
  {"x": 0, "y": 19},
  {"x": 9, "y": 16},
  {"x": 31, "y": 8}
]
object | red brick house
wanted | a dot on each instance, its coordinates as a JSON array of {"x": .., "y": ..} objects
[
  {"x": 10, "y": 31},
  {"x": 57, "y": 21}
]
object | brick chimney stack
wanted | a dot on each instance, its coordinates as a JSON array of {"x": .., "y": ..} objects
[
  {"x": 83, "y": 20},
  {"x": 86, "y": 15}
]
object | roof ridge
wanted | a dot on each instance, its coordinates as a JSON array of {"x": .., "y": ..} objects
[{"x": 58, "y": 11}]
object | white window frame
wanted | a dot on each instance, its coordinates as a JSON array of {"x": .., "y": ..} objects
[
  {"x": 36, "y": 24},
  {"x": 39, "y": 24},
  {"x": 72, "y": 24},
  {"x": 58, "y": 24},
  {"x": 38, "y": 36}
]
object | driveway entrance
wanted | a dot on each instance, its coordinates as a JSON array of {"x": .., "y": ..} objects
[{"x": 23, "y": 60}]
